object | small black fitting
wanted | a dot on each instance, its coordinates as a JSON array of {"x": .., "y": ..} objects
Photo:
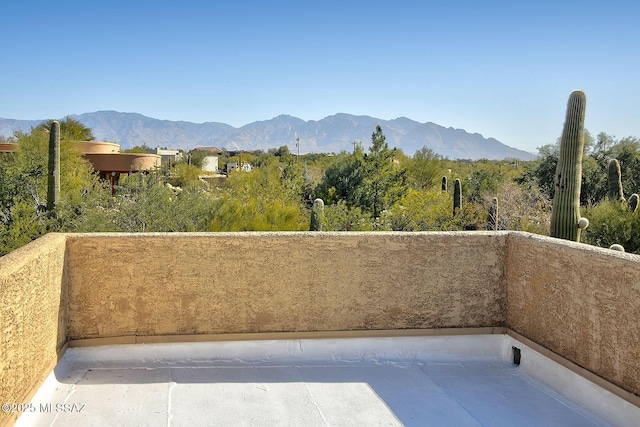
[{"x": 516, "y": 355}]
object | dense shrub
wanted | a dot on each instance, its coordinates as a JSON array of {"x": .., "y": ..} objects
[
  {"x": 523, "y": 208},
  {"x": 258, "y": 201},
  {"x": 612, "y": 222},
  {"x": 340, "y": 217}
]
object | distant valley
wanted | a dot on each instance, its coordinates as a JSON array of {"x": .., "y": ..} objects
[{"x": 334, "y": 133}]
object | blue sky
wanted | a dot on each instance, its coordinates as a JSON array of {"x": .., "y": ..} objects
[{"x": 503, "y": 69}]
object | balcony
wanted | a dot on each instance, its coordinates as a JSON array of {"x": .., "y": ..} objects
[{"x": 318, "y": 329}]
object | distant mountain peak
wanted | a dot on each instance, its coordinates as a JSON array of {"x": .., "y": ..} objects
[{"x": 333, "y": 133}]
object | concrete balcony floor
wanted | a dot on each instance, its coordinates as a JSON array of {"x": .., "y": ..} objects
[{"x": 439, "y": 380}]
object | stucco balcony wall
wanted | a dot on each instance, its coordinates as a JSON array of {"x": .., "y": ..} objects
[
  {"x": 579, "y": 302},
  {"x": 150, "y": 285},
  {"x": 33, "y": 317}
]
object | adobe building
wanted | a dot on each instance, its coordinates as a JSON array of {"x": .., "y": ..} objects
[
  {"x": 107, "y": 160},
  {"x": 110, "y": 163},
  {"x": 169, "y": 157},
  {"x": 210, "y": 164},
  {"x": 8, "y": 147},
  {"x": 211, "y": 150}
]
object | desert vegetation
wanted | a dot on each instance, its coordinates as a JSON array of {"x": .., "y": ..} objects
[{"x": 374, "y": 188}]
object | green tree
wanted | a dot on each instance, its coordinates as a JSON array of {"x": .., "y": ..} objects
[
  {"x": 20, "y": 225},
  {"x": 70, "y": 130},
  {"x": 483, "y": 182},
  {"x": 6, "y": 140},
  {"x": 342, "y": 179},
  {"x": 295, "y": 178},
  {"x": 594, "y": 181},
  {"x": 541, "y": 171},
  {"x": 23, "y": 186},
  {"x": 383, "y": 181},
  {"x": 185, "y": 175},
  {"x": 372, "y": 181},
  {"x": 283, "y": 154},
  {"x": 424, "y": 169},
  {"x": 195, "y": 157},
  {"x": 144, "y": 148},
  {"x": 603, "y": 143}
]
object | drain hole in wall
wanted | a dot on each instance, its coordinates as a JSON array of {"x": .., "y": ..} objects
[{"x": 516, "y": 355}]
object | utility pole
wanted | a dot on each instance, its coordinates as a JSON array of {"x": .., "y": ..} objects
[
  {"x": 298, "y": 147},
  {"x": 354, "y": 146}
]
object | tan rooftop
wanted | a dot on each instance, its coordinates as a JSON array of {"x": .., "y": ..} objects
[{"x": 81, "y": 299}]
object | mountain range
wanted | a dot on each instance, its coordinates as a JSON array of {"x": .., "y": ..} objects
[{"x": 334, "y": 133}]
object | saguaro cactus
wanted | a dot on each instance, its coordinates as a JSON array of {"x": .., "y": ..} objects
[
  {"x": 615, "y": 181},
  {"x": 316, "y": 215},
  {"x": 457, "y": 196},
  {"x": 492, "y": 220},
  {"x": 565, "y": 214},
  {"x": 444, "y": 184},
  {"x": 633, "y": 202},
  {"x": 53, "y": 178}
]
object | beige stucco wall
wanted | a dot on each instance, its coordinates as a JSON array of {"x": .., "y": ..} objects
[
  {"x": 32, "y": 317},
  {"x": 263, "y": 282},
  {"x": 579, "y": 301},
  {"x": 88, "y": 147}
]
